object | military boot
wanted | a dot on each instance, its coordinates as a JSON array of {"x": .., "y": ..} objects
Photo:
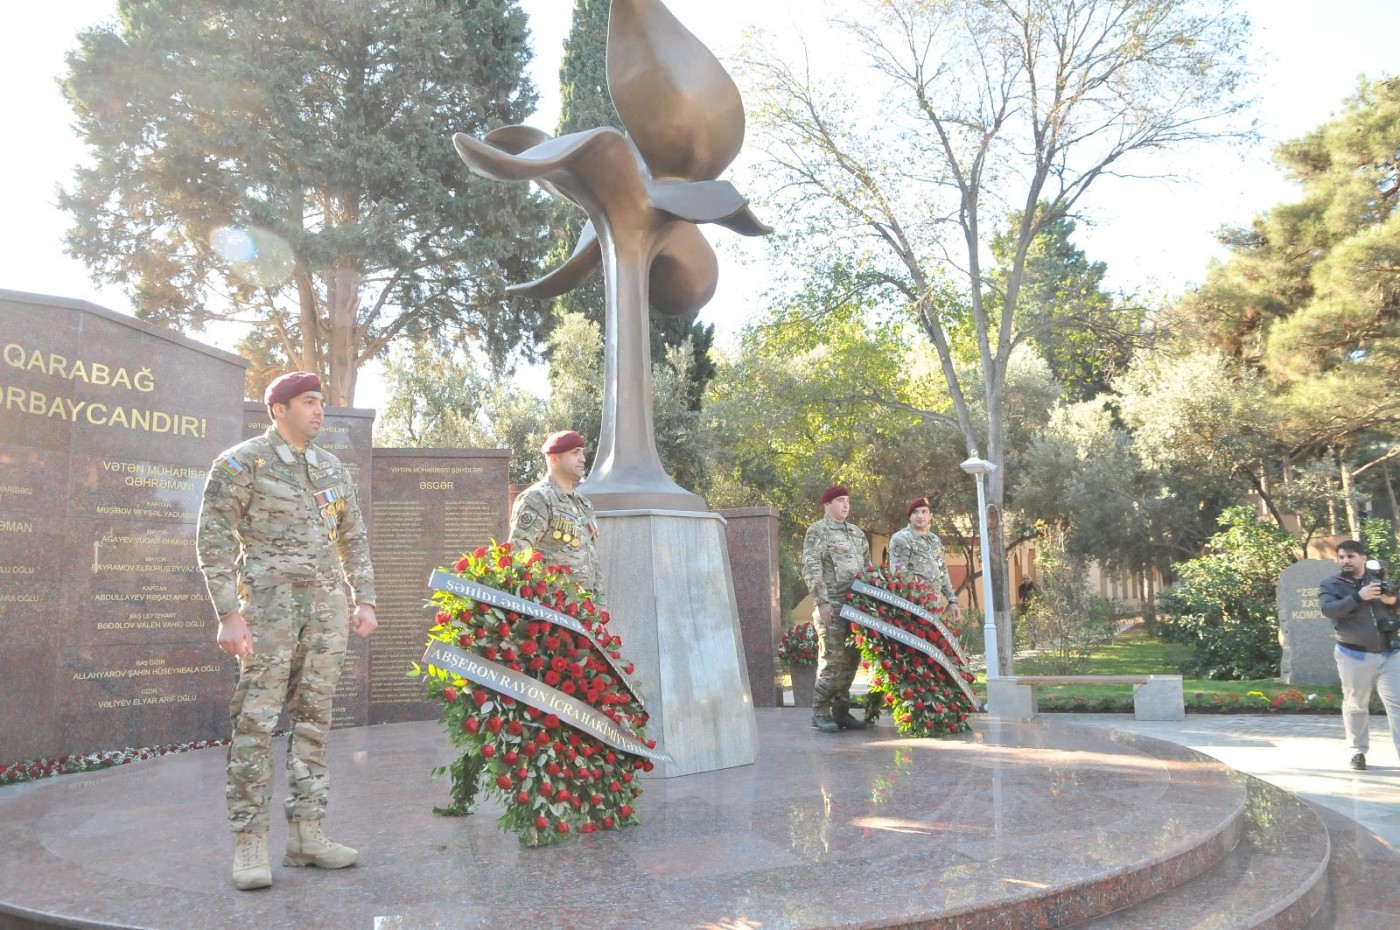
[
  {"x": 823, "y": 722},
  {"x": 841, "y": 713},
  {"x": 250, "y": 868},
  {"x": 308, "y": 845}
]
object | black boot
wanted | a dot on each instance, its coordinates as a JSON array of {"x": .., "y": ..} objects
[{"x": 841, "y": 713}]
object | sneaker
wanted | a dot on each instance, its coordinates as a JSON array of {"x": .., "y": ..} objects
[{"x": 1358, "y": 761}]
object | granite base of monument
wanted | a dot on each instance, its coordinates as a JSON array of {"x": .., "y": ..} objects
[{"x": 672, "y": 601}]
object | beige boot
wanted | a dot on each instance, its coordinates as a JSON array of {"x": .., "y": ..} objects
[
  {"x": 250, "y": 868},
  {"x": 307, "y": 845}
]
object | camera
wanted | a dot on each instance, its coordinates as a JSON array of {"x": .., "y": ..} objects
[
  {"x": 1388, "y": 623},
  {"x": 1376, "y": 569}
]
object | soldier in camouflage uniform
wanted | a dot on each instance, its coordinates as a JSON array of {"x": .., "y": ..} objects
[
  {"x": 552, "y": 517},
  {"x": 279, "y": 530},
  {"x": 833, "y": 552},
  {"x": 918, "y": 549}
]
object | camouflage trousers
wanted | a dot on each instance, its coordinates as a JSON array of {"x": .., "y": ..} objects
[
  {"x": 299, "y": 636},
  {"x": 837, "y": 663}
]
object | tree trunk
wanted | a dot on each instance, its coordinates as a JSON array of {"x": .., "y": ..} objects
[
  {"x": 342, "y": 307},
  {"x": 1390, "y": 493},
  {"x": 1348, "y": 501}
]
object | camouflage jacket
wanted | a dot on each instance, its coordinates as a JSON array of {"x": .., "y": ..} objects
[
  {"x": 560, "y": 524},
  {"x": 271, "y": 516},
  {"x": 832, "y": 554},
  {"x": 922, "y": 554}
]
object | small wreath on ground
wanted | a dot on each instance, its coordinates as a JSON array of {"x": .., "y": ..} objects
[
  {"x": 526, "y": 698},
  {"x": 919, "y": 671}
]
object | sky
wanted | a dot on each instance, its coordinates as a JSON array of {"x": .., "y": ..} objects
[{"x": 1153, "y": 234}]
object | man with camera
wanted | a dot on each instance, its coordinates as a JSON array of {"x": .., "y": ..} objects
[{"x": 1360, "y": 602}]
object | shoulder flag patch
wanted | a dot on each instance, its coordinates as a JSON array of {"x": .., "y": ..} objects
[{"x": 229, "y": 466}]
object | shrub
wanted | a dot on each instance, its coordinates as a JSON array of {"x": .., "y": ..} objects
[
  {"x": 1066, "y": 618},
  {"x": 1224, "y": 602}
]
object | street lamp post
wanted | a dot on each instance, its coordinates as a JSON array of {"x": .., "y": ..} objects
[{"x": 980, "y": 468}]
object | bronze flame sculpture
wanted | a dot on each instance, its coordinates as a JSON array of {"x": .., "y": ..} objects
[{"x": 644, "y": 193}]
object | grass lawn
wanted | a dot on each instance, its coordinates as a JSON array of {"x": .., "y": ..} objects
[{"x": 1135, "y": 653}]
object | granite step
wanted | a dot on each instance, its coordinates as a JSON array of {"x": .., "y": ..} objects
[
  {"x": 1274, "y": 879},
  {"x": 1363, "y": 888}
]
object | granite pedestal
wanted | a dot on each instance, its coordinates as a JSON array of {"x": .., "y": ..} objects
[
  {"x": 1026, "y": 825},
  {"x": 672, "y": 601}
]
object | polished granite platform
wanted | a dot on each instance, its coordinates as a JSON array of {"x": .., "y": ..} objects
[{"x": 1011, "y": 826}]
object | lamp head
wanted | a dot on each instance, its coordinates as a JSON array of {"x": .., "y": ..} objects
[{"x": 978, "y": 466}]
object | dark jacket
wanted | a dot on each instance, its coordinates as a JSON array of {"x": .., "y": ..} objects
[{"x": 1353, "y": 620}]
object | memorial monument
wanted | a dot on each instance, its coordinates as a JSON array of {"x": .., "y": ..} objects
[
  {"x": 1303, "y": 632},
  {"x": 107, "y": 428},
  {"x": 669, "y": 580}
]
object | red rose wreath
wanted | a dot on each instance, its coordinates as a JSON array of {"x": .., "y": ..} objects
[{"x": 551, "y": 770}]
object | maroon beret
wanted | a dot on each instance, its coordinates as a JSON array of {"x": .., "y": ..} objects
[
  {"x": 562, "y": 441},
  {"x": 290, "y": 385},
  {"x": 915, "y": 504},
  {"x": 833, "y": 492}
]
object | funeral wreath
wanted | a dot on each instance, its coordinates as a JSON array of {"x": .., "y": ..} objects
[
  {"x": 535, "y": 693},
  {"x": 918, "y": 669}
]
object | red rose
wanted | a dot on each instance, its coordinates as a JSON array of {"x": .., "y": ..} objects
[
  {"x": 487, "y": 752},
  {"x": 588, "y": 827},
  {"x": 461, "y": 565},
  {"x": 561, "y": 827},
  {"x": 625, "y": 810},
  {"x": 480, "y": 696},
  {"x": 513, "y": 728},
  {"x": 607, "y": 823},
  {"x": 480, "y": 552},
  {"x": 503, "y": 562},
  {"x": 540, "y": 822},
  {"x": 449, "y": 694},
  {"x": 528, "y": 647},
  {"x": 503, "y": 782},
  {"x": 494, "y": 725},
  {"x": 522, "y": 798},
  {"x": 471, "y": 725},
  {"x": 551, "y": 721},
  {"x": 522, "y": 773},
  {"x": 510, "y": 756},
  {"x": 546, "y": 790}
]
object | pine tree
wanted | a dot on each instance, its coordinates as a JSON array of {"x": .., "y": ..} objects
[{"x": 288, "y": 163}]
